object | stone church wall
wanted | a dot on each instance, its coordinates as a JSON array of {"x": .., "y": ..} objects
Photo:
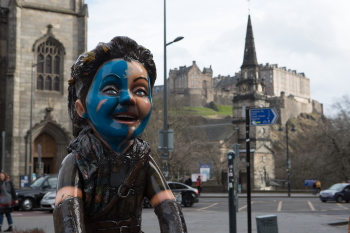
[
  {"x": 28, "y": 22},
  {"x": 264, "y": 169}
]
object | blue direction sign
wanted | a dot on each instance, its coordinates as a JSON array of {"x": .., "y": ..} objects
[{"x": 262, "y": 116}]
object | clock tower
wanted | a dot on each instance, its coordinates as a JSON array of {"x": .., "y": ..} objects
[{"x": 251, "y": 94}]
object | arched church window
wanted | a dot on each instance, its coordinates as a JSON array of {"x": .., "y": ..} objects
[
  {"x": 48, "y": 64},
  {"x": 40, "y": 83},
  {"x": 56, "y": 84},
  {"x": 49, "y": 73},
  {"x": 57, "y": 65},
  {"x": 48, "y": 83},
  {"x": 40, "y": 68}
]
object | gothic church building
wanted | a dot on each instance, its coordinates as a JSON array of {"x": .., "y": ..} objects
[{"x": 39, "y": 41}]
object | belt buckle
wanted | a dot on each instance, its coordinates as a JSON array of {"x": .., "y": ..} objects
[
  {"x": 124, "y": 227},
  {"x": 120, "y": 194}
]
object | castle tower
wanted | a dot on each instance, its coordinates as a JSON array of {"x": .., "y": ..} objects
[{"x": 251, "y": 94}]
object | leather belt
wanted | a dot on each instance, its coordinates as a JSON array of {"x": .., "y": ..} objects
[
  {"x": 109, "y": 226},
  {"x": 122, "y": 229}
]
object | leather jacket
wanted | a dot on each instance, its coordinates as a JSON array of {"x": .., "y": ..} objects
[{"x": 120, "y": 212}]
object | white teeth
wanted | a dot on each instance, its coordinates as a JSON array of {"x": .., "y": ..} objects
[{"x": 125, "y": 116}]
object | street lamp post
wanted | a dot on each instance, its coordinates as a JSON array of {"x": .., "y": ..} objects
[
  {"x": 30, "y": 123},
  {"x": 287, "y": 159},
  {"x": 165, "y": 155}
]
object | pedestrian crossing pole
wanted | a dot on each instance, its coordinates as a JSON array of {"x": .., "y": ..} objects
[{"x": 231, "y": 197}]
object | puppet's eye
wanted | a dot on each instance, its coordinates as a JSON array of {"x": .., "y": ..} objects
[
  {"x": 140, "y": 92},
  {"x": 110, "y": 90}
]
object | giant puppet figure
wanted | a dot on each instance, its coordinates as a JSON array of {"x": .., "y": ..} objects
[{"x": 109, "y": 170}]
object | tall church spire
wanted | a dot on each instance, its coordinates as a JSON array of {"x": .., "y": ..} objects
[{"x": 249, "y": 59}]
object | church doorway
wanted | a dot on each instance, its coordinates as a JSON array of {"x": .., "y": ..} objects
[{"x": 48, "y": 153}]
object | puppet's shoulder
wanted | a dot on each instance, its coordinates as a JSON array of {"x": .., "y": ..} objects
[
  {"x": 69, "y": 173},
  {"x": 69, "y": 159}
]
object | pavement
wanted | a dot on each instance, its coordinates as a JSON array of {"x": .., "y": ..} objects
[{"x": 206, "y": 221}]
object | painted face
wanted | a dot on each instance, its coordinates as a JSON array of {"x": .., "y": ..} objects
[{"x": 119, "y": 102}]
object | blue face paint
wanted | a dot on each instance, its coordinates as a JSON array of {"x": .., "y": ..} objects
[{"x": 119, "y": 102}]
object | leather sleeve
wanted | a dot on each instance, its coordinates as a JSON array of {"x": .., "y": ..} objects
[
  {"x": 68, "y": 216},
  {"x": 69, "y": 174},
  {"x": 155, "y": 180},
  {"x": 169, "y": 212},
  {"x": 171, "y": 219}
]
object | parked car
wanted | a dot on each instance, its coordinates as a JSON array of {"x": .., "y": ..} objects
[
  {"x": 337, "y": 192},
  {"x": 189, "y": 195},
  {"x": 29, "y": 198},
  {"x": 48, "y": 201}
]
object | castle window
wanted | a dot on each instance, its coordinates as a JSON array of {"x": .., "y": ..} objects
[{"x": 50, "y": 72}]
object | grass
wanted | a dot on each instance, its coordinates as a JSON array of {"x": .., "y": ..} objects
[{"x": 223, "y": 110}]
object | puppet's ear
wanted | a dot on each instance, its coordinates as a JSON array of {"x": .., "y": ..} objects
[{"x": 79, "y": 108}]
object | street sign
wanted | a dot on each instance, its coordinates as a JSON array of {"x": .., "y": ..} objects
[{"x": 262, "y": 116}]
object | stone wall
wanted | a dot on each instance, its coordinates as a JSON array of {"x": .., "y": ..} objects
[
  {"x": 290, "y": 106},
  {"x": 200, "y": 97}
]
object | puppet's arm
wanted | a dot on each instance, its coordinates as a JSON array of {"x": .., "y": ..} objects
[
  {"x": 167, "y": 209},
  {"x": 171, "y": 219},
  {"x": 69, "y": 213}
]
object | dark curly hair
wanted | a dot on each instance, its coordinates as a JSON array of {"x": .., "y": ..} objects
[{"x": 84, "y": 69}]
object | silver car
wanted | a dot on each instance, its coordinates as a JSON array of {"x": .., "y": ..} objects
[{"x": 48, "y": 201}]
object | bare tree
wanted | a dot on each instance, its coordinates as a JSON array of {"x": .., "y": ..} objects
[{"x": 319, "y": 149}]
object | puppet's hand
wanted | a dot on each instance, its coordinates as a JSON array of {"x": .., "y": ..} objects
[
  {"x": 68, "y": 216},
  {"x": 170, "y": 217}
]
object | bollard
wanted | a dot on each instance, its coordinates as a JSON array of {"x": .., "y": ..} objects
[{"x": 267, "y": 224}]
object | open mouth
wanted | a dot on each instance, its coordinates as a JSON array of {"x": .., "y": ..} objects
[{"x": 126, "y": 118}]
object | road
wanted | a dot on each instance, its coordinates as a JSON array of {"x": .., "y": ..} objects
[
  {"x": 277, "y": 205},
  {"x": 211, "y": 215}
]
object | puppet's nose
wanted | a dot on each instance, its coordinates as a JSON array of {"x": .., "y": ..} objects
[{"x": 126, "y": 98}]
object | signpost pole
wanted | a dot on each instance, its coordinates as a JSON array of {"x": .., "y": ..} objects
[
  {"x": 249, "y": 212},
  {"x": 255, "y": 117}
]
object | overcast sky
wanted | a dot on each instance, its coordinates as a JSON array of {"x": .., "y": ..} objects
[{"x": 310, "y": 36}]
